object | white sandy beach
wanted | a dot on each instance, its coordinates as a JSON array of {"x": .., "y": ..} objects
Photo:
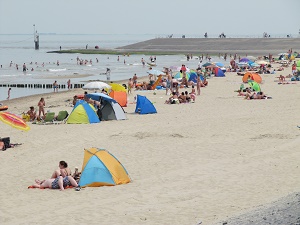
[{"x": 200, "y": 162}]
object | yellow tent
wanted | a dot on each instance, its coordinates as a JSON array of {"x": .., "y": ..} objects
[
  {"x": 117, "y": 87},
  {"x": 100, "y": 168}
]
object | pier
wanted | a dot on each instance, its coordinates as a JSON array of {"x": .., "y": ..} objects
[{"x": 43, "y": 86}]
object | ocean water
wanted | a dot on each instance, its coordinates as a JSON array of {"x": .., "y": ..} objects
[{"x": 43, "y": 69}]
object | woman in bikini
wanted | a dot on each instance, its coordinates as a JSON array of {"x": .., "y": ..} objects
[
  {"x": 62, "y": 171},
  {"x": 41, "y": 105},
  {"x": 57, "y": 183}
]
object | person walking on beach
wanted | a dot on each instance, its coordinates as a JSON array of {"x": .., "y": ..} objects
[
  {"x": 60, "y": 48},
  {"x": 41, "y": 105},
  {"x": 8, "y": 93},
  {"x": 168, "y": 81},
  {"x": 130, "y": 85},
  {"x": 198, "y": 84},
  {"x": 134, "y": 79},
  {"x": 55, "y": 86},
  {"x": 69, "y": 84}
]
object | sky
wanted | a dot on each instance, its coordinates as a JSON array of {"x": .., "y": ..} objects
[{"x": 233, "y": 17}]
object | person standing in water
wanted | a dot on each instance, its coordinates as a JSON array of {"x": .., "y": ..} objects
[{"x": 8, "y": 93}]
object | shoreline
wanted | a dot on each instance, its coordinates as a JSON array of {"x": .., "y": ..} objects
[{"x": 6, "y": 102}]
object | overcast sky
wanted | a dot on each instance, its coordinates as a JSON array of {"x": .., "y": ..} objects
[{"x": 236, "y": 17}]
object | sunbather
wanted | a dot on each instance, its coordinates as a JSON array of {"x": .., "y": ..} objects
[
  {"x": 62, "y": 171},
  {"x": 57, "y": 183},
  {"x": 32, "y": 114}
]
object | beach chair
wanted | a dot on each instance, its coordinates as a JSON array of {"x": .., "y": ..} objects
[
  {"x": 49, "y": 118},
  {"x": 61, "y": 117}
]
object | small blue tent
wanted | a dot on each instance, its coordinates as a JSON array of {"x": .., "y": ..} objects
[
  {"x": 144, "y": 106},
  {"x": 193, "y": 77},
  {"x": 219, "y": 72}
]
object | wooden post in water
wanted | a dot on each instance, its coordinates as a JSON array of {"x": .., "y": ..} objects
[{"x": 36, "y": 39}]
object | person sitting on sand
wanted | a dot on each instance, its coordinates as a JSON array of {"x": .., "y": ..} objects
[
  {"x": 281, "y": 78},
  {"x": 184, "y": 81},
  {"x": 75, "y": 99},
  {"x": 187, "y": 96},
  {"x": 173, "y": 99},
  {"x": 182, "y": 98},
  {"x": 62, "y": 171},
  {"x": 32, "y": 114}
]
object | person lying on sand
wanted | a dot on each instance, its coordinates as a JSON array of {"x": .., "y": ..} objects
[
  {"x": 258, "y": 95},
  {"x": 57, "y": 183},
  {"x": 281, "y": 78}
]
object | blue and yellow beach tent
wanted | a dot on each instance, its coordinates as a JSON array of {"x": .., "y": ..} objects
[
  {"x": 83, "y": 112},
  {"x": 100, "y": 168},
  {"x": 144, "y": 106}
]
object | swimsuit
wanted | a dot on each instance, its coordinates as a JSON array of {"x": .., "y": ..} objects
[
  {"x": 54, "y": 184},
  {"x": 66, "y": 182}
]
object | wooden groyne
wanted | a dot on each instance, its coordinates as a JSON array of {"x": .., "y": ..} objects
[{"x": 43, "y": 86}]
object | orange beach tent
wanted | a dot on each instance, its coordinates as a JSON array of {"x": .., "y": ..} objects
[
  {"x": 252, "y": 76},
  {"x": 120, "y": 97}
]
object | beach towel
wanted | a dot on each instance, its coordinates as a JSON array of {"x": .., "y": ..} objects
[{"x": 32, "y": 187}]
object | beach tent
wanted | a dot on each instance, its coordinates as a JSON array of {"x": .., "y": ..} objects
[
  {"x": 101, "y": 168},
  {"x": 180, "y": 75},
  {"x": 252, "y": 76},
  {"x": 110, "y": 108},
  {"x": 120, "y": 97},
  {"x": 117, "y": 87},
  {"x": 144, "y": 106},
  {"x": 219, "y": 72},
  {"x": 254, "y": 85},
  {"x": 193, "y": 77},
  {"x": 83, "y": 112}
]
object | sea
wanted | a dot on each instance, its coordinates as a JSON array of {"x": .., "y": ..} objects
[{"x": 45, "y": 68}]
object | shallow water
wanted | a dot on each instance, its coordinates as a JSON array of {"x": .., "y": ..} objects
[{"x": 43, "y": 69}]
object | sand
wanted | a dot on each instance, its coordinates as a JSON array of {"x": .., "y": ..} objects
[{"x": 202, "y": 162}]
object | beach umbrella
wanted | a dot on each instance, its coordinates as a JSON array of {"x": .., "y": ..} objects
[
  {"x": 117, "y": 87},
  {"x": 155, "y": 72},
  {"x": 14, "y": 121},
  {"x": 242, "y": 64},
  {"x": 254, "y": 64},
  {"x": 207, "y": 64},
  {"x": 96, "y": 85},
  {"x": 219, "y": 64},
  {"x": 244, "y": 60},
  {"x": 254, "y": 85}
]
